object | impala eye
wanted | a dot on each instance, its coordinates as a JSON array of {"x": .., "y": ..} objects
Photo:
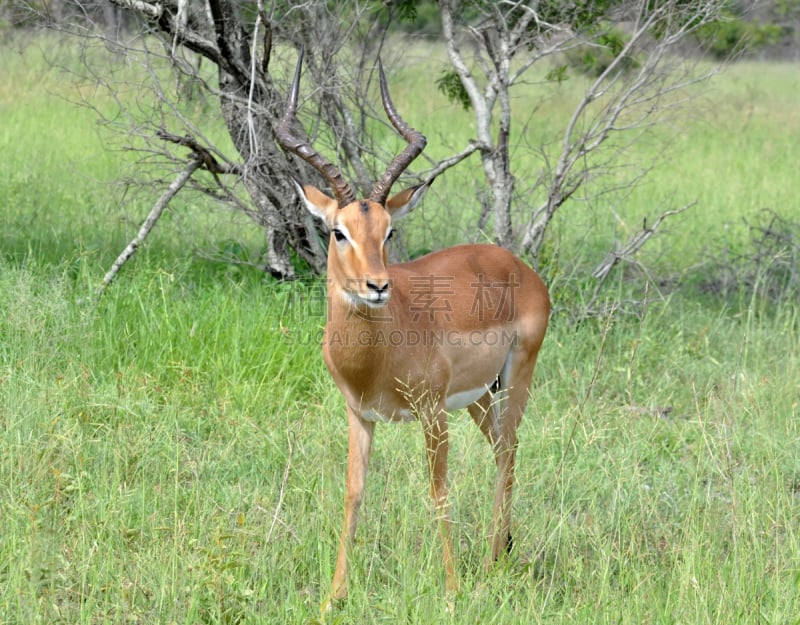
[
  {"x": 390, "y": 235},
  {"x": 339, "y": 235}
]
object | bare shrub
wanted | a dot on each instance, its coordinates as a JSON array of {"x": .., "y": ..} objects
[{"x": 766, "y": 266}]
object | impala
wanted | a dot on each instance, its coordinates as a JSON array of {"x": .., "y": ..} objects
[{"x": 458, "y": 328}]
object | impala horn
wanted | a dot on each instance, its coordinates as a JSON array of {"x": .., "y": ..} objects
[
  {"x": 416, "y": 143},
  {"x": 286, "y": 139}
]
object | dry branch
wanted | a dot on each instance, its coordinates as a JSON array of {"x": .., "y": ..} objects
[
  {"x": 209, "y": 163},
  {"x": 602, "y": 271},
  {"x": 282, "y": 492},
  {"x": 452, "y": 161},
  {"x": 626, "y": 253},
  {"x": 158, "y": 208}
]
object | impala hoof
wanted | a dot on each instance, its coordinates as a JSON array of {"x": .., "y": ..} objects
[{"x": 330, "y": 601}]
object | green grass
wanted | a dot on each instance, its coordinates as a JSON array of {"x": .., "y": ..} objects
[{"x": 176, "y": 453}]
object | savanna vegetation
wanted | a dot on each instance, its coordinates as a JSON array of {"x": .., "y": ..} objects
[{"x": 174, "y": 451}]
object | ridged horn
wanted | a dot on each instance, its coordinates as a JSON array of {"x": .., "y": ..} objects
[
  {"x": 416, "y": 143},
  {"x": 341, "y": 190}
]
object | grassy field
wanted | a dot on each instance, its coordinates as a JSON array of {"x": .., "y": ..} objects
[{"x": 176, "y": 453}]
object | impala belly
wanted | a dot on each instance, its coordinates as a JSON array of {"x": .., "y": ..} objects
[
  {"x": 381, "y": 413},
  {"x": 464, "y": 398}
]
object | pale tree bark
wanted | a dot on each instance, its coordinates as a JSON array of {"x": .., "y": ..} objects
[{"x": 497, "y": 43}]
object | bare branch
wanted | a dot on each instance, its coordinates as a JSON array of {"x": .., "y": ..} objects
[
  {"x": 155, "y": 213},
  {"x": 636, "y": 243},
  {"x": 626, "y": 253},
  {"x": 153, "y": 10},
  {"x": 444, "y": 165},
  {"x": 639, "y": 96},
  {"x": 199, "y": 152},
  {"x": 225, "y": 26},
  {"x": 282, "y": 492},
  {"x": 478, "y": 101}
]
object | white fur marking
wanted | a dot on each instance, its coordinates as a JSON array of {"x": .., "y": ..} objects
[{"x": 464, "y": 398}]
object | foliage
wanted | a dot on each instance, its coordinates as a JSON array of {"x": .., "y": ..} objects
[
  {"x": 413, "y": 17},
  {"x": 578, "y": 15},
  {"x": 450, "y": 85},
  {"x": 557, "y": 73},
  {"x": 732, "y": 35},
  {"x": 605, "y": 45}
]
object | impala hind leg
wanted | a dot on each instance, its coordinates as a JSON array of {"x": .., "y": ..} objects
[
  {"x": 498, "y": 416},
  {"x": 486, "y": 413},
  {"x": 436, "y": 443},
  {"x": 359, "y": 445}
]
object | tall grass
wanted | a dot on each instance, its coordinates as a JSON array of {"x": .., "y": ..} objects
[{"x": 175, "y": 454}]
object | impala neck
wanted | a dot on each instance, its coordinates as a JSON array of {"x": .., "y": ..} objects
[{"x": 356, "y": 343}]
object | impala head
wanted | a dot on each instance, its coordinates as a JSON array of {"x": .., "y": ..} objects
[{"x": 357, "y": 257}]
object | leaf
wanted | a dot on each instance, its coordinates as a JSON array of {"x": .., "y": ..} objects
[
  {"x": 557, "y": 74},
  {"x": 450, "y": 85}
]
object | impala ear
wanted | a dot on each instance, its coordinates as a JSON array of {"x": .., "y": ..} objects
[
  {"x": 317, "y": 203},
  {"x": 404, "y": 202}
]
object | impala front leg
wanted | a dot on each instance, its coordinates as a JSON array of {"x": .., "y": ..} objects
[
  {"x": 437, "y": 446},
  {"x": 359, "y": 445}
]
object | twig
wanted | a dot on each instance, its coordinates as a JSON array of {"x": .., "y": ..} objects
[
  {"x": 613, "y": 258},
  {"x": 454, "y": 160},
  {"x": 635, "y": 244},
  {"x": 285, "y": 479},
  {"x": 181, "y": 179},
  {"x": 153, "y": 10},
  {"x": 199, "y": 152}
]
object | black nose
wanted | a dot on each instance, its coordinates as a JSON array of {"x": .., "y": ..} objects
[{"x": 379, "y": 287}]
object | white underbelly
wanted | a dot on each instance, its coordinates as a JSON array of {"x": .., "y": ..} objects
[
  {"x": 464, "y": 398},
  {"x": 454, "y": 401}
]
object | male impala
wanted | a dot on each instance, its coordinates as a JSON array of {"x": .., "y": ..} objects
[{"x": 458, "y": 328}]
